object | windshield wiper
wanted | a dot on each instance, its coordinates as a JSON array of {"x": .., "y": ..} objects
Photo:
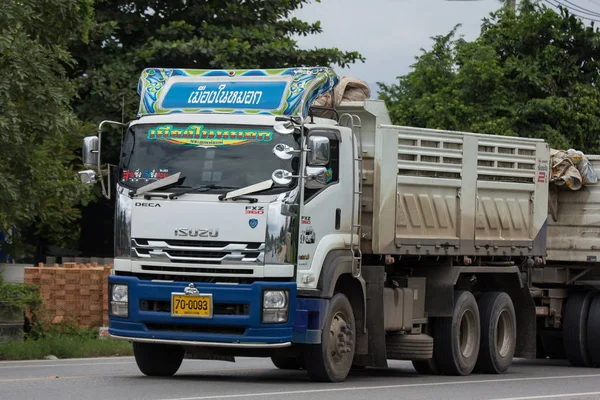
[
  {"x": 148, "y": 196},
  {"x": 170, "y": 180},
  {"x": 199, "y": 189},
  {"x": 257, "y": 187}
]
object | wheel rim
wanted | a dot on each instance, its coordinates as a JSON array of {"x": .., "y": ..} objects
[
  {"x": 340, "y": 338},
  {"x": 467, "y": 338},
  {"x": 504, "y": 334}
]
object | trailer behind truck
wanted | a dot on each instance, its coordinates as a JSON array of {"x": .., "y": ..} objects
[{"x": 250, "y": 222}]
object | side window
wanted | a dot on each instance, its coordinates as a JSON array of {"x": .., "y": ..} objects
[{"x": 333, "y": 167}]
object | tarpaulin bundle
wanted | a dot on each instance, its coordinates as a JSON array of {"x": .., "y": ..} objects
[
  {"x": 571, "y": 168},
  {"x": 348, "y": 89}
]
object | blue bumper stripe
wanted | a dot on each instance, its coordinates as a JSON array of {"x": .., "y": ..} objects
[{"x": 305, "y": 316}]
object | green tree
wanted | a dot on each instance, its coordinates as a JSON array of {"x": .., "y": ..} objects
[
  {"x": 529, "y": 74},
  {"x": 128, "y": 36},
  {"x": 39, "y": 192}
]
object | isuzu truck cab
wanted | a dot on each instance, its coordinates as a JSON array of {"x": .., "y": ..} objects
[{"x": 249, "y": 222}]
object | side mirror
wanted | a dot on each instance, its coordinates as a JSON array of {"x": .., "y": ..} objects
[
  {"x": 316, "y": 177},
  {"x": 89, "y": 152},
  {"x": 88, "y": 177},
  {"x": 282, "y": 177},
  {"x": 284, "y": 127},
  {"x": 284, "y": 152},
  {"x": 319, "y": 150}
]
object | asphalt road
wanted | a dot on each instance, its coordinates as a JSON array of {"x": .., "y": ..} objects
[{"x": 253, "y": 379}]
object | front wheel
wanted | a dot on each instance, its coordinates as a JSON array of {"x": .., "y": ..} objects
[
  {"x": 155, "y": 359},
  {"x": 331, "y": 360}
]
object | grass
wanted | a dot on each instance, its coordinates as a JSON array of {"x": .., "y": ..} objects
[
  {"x": 63, "y": 340},
  {"x": 64, "y": 346}
]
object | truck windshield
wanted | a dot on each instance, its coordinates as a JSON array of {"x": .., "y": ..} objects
[{"x": 231, "y": 156}]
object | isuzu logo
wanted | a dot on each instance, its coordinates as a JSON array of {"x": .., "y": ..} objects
[{"x": 196, "y": 232}]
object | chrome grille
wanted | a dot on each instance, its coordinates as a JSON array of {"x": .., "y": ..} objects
[{"x": 202, "y": 252}]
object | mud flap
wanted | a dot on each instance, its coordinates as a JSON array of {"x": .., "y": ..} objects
[{"x": 376, "y": 357}]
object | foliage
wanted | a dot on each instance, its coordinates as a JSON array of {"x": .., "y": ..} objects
[
  {"x": 20, "y": 299},
  {"x": 63, "y": 340},
  {"x": 38, "y": 131},
  {"x": 67, "y": 328},
  {"x": 531, "y": 74},
  {"x": 18, "y": 296}
]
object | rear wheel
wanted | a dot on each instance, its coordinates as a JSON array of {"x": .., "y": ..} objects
[
  {"x": 155, "y": 359},
  {"x": 498, "y": 333},
  {"x": 426, "y": 367},
  {"x": 575, "y": 329},
  {"x": 456, "y": 344},
  {"x": 593, "y": 331},
  {"x": 331, "y": 360}
]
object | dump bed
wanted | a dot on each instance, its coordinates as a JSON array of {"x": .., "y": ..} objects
[
  {"x": 434, "y": 192},
  {"x": 574, "y": 222}
]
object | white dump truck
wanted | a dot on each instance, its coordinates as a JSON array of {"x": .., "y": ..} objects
[{"x": 250, "y": 222}]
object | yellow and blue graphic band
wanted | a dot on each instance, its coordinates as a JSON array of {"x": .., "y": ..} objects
[{"x": 197, "y": 135}]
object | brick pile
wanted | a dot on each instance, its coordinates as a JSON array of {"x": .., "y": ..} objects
[{"x": 72, "y": 292}]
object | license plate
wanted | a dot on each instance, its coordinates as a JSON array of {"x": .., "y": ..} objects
[{"x": 198, "y": 306}]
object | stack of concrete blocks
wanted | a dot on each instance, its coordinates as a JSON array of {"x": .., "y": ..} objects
[{"x": 76, "y": 293}]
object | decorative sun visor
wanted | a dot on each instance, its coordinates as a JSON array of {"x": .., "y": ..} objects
[{"x": 285, "y": 92}]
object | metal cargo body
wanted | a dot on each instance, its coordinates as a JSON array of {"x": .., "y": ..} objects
[
  {"x": 574, "y": 222},
  {"x": 435, "y": 192}
]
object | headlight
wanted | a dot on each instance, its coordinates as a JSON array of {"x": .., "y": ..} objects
[
  {"x": 275, "y": 299},
  {"x": 275, "y": 306},
  {"x": 119, "y": 304},
  {"x": 119, "y": 293}
]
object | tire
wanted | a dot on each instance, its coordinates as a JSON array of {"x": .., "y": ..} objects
[
  {"x": 498, "y": 333},
  {"x": 456, "y": 338},
  {"x": 593, "y": 331},
  {"x": 427, "y": 367},
  {"x": 409, "y": 347},
  {"x": 331, "y": 360},
  {"x": 158, "y": 359},
  {"x": 575, "y": 329},
  {"x": 288, "y": 363}
]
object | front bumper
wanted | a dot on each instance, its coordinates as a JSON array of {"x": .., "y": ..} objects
[{"x": 236, "y": 320}]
